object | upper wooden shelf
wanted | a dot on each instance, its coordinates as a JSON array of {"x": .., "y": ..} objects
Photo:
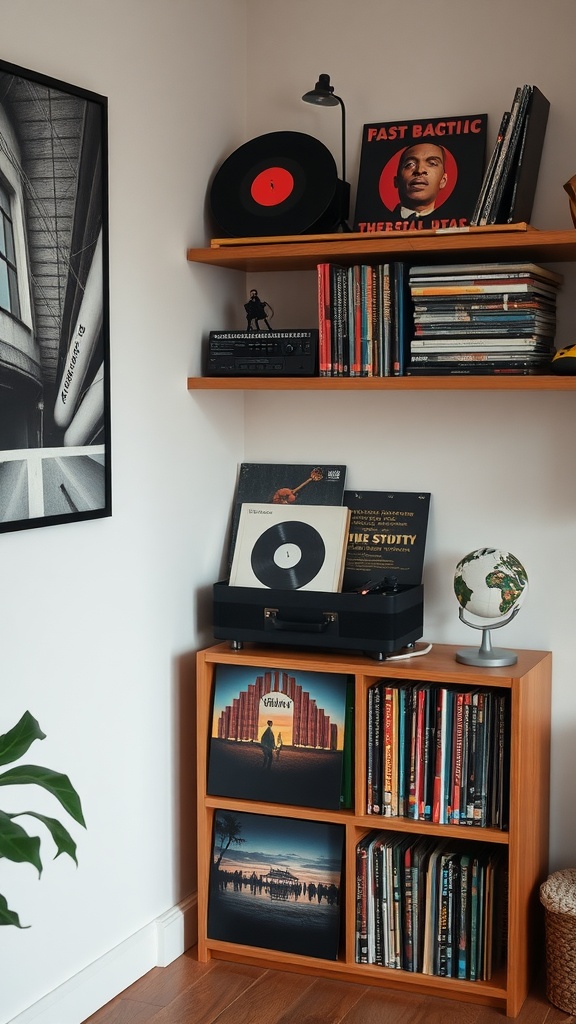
[
  {"x": 487, "y": 382},
  {"x": 305, "y": 252}
]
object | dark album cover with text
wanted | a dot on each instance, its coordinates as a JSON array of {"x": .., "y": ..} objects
[
  {"x": 417, "y": 174},
  {"x": 278, "y": 735}
]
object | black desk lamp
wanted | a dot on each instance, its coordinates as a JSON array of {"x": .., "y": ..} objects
[{"x": 323, "y": 96}]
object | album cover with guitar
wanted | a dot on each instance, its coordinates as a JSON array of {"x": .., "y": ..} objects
[{"x": 283, "y": 484}]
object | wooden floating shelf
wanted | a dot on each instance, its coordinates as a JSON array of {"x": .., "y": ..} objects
[
  {"x": 305, "y": 254},
  {"x": 486, "y": 382}
]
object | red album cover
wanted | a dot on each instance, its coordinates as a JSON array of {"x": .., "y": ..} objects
[{"x": 420, "y": 174}]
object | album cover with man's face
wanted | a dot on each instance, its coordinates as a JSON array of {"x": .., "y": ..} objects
[{"x": 417, "y": 174}]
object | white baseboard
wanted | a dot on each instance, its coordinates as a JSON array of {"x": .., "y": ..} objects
[
  {"x": 177, "y": 931},
  {"x": 156, "y": 945}
]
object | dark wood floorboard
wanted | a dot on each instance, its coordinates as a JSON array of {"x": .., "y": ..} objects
[{"x": 188, "y": 992}]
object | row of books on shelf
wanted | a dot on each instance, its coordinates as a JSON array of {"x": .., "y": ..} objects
[
  {"x": 430, "y": 906},
  {"x": 438, "y": 754},
  {"x": 393, "y": 319},
  {"x": 434, "y": 753}
]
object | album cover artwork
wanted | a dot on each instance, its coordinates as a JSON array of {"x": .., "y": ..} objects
[
  {"x": 276, "y": 883},
  {"x": 420, "y": 173},
  {"x": 387, "y": 536},
  {"x": 286, "y": 547},
  {"x": 278, "y": 735},
  {"x": 286, "y": 484}
]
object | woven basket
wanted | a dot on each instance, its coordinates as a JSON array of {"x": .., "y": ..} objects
[{"x": 558, "y": 897}]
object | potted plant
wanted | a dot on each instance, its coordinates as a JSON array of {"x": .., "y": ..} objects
[{"x": 15, "y": 843}]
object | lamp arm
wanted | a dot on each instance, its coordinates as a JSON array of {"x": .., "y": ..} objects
[{"x": 343, "y": 108}]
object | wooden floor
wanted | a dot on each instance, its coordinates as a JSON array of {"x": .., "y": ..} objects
[{"x": 188, "y": 992}]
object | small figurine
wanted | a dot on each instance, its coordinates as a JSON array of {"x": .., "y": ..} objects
[{"x": 257, "y": 310}]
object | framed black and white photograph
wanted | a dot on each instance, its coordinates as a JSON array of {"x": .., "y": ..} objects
[{"x": 54, "y": 318}]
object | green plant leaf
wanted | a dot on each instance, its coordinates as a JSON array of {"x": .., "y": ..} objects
[
  {"x": 62, "y": 838},
  {"x": 8, "y": 916},
  {"x": 15, "y": 743},
  {"x": 55, "y": 783},
  {"x": 17, "y": 845}
]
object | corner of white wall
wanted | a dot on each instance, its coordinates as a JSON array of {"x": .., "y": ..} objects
[{"x": 155, "y": 945}]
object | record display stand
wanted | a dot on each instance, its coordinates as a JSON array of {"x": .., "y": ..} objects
[{"x": 523, "y": 689}]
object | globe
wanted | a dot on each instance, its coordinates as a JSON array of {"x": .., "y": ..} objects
[{"x": 490, "y": 583}]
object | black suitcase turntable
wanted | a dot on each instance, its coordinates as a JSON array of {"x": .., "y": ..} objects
[{"x": 380, "y": 625}]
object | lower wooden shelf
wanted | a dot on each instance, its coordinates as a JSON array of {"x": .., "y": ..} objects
[
  {"x": 523, "y": 844},
  {"x": 487, "y": 993}
]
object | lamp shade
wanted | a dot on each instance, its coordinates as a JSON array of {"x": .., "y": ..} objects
[{"x": 322, "y": 94}]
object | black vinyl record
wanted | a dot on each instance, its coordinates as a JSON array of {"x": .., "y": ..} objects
[
  {"x": 288, "y": 555},
  {"x": 283, "y": 183}
]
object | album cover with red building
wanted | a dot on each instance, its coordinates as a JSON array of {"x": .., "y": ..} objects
[
  {"x": 417, "y": 174},
  {"x": 280, "y": 735}
]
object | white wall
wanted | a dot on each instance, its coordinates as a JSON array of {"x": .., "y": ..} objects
[
  {"x": 99, "y": 620},
  {"x": 500, "y": 467}
]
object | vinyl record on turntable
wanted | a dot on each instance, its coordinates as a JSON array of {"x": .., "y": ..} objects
[{"x": 282, "y": 183}]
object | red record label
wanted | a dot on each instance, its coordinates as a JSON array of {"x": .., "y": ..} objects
[{"x": 272, "y": 186}]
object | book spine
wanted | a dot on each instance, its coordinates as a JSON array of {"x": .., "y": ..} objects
[
  {"x": 501, "y": 204},
  {"x": 324, "y": 325},
  {"x": 407, "y": 898},
  {"x": 361, "y": 904},
  {"x": 528, "y": 165},
  {"x": 457, "y": 759},
  {"x": 336, "y": 314},
  {"x": 479, "y": 208},
  {"x": 499, "y": 168},
  {"x": 387, "y": 808},
  {"x": 464, "y": 918},
  {"x": 377, "y": 752},
  {"x": 357, "y": 308}
]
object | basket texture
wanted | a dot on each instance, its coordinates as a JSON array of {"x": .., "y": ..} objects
[{"x": 558, "y": 897}]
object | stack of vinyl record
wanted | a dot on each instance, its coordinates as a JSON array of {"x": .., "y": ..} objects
[{"x": 483, "y": 318}]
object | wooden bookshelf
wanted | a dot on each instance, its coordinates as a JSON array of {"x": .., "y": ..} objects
[
  {"x": 494, "y": 243},
  {"x": 525, "y": 841},
  {"x": 417, "y": 246},
  {"x": 532, "y": 382}
]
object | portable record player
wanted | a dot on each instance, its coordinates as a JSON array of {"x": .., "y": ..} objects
[{"x": 377, "y": 624}]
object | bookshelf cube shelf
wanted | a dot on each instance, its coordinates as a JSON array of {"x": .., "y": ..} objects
[{"x": 524, "y": 842}]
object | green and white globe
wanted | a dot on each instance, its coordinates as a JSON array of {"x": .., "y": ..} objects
[{"x": 490, "y": 583}]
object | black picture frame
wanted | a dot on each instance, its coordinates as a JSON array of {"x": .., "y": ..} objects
[{"x": 54, "y": 302}]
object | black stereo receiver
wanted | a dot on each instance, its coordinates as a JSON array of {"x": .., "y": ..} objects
[{"x": 262, "y": 353}]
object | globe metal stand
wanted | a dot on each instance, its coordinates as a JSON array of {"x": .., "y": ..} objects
[{"x": 487, "y": 656}]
